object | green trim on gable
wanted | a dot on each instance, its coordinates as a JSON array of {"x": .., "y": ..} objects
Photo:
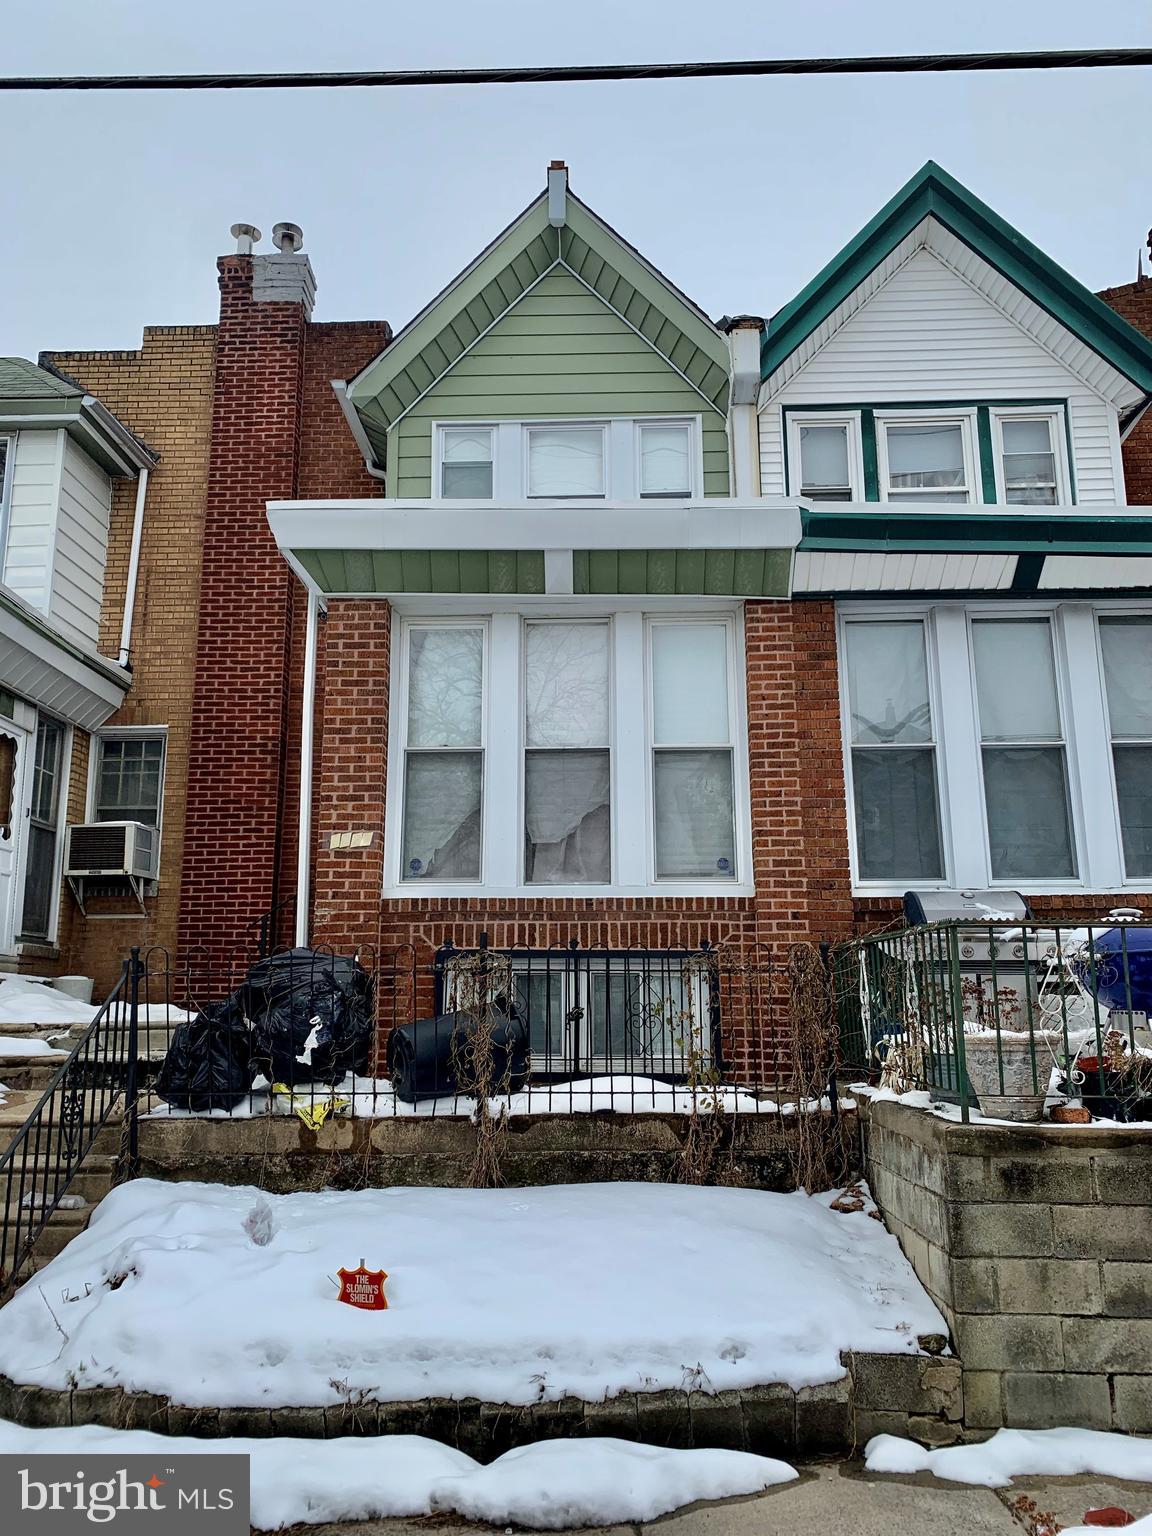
[
  {"x": 609, "y": 271},
  {"x": 869, "y": 453},
  {"x": 932, "y": 191},
  {"x": 966, "y": 533},
  {"x": 986, "y": 454}
]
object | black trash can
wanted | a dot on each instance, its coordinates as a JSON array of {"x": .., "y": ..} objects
[{"x": 433, "y": 1057}]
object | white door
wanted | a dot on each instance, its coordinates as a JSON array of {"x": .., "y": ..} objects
[{"x": 15, "y": 754}]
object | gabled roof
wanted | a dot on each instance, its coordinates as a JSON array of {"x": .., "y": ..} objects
[
  {"x": 22, "y": 380},
  {"x": 932, "y": 192},
  {"x": 430, "y": 344}
]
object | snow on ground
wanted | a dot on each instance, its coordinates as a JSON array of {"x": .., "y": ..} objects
[
  {"x": 921, "y": 1098},
  {"x": 369, "y": 1098},
  {"x": 554, "y": 1485},
  {"x": 508, "y": 1295},
  {"x": 1018, "y": 1452},
  {"x": 16, "y": 1046},
  {"x": 23, "y": 1001}
]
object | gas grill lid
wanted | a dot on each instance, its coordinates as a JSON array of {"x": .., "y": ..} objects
[{"x": 972, "y": 906}]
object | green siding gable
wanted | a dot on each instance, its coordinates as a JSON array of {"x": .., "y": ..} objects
[{"x": 560, "y": 351}]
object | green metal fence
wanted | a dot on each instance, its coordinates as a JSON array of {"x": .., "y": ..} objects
[{"x": 999, "y": 1015}]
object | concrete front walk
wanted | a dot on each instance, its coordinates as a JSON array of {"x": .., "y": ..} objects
[{"x": 841, "y": 1497}]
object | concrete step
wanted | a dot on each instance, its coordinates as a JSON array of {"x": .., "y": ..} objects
[
  {"x": 18, "y": 1106},
  {"x": 93, "y": 1179},
  {"x": 33, "y": 1072}
]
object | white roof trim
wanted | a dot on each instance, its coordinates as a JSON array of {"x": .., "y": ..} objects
[{"x": 49, "y": 673}]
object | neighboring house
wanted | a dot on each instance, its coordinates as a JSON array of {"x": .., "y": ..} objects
[
  {"x": 61, "y": 453},
  {"x": 584, "y": 618}
]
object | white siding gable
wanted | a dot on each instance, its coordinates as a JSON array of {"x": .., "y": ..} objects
[
  {"x": 81, "y": 545},
  {"x": 926, "y": 333},
  {"x": 35, "y": 497}
]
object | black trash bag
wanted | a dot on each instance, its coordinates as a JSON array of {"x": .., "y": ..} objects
[
  {"x": 312, "y": 1016},
  {"x": 433, "y": 1057},
  {"x": 209, "y": 1062}
]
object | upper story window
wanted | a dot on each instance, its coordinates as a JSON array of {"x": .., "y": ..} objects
[
  {"x": 566, "y": 461},
  {"x": 466, "y": 462},
  {"x": 827, "y": 454},
  {"x": 925, "y": 460},
  {"x": 1030, "y": 467},
  {"x": 626, "y": 459}
]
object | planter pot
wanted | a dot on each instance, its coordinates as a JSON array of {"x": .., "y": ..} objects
[
  {"x": 1071, "y": 1114},
  {"x": 1000, "y": 1074}
]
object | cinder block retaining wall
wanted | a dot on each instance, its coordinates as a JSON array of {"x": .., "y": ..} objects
[
  {"x": 1036, "y": 1244},
  {"x": 280, "y": 1154},
  {"x": 919, "y": 1395}
]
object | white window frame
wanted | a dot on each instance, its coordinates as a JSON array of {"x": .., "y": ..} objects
[
  {"x": 965, "y": 418},
  {"x": 440, "y": 428},
  {"x": 572, "y": 426},
  {"x": 95, "y": 752},
  {"x": 960, "y": 779},
  {"x": 504, "y": 734},
  {"x": 66, "y": 749},
  {"x": 1118, "y": 610},
  {"x": 397, "y": 760},
  {"x": 621, "y": 437},
  {"x": 8, "y": 439},
  {"x": 1055, "y": 416},
  {"x": 848, "y": 419}
]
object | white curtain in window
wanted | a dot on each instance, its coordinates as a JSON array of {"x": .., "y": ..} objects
[
  {"x": 695, "y": 836},
  {"x": 1126, "y": 645},
  {"x": 897, "y": 820},
  {"x": 1016, "y": 680},
  {"x": 665, "y": 466},
  {"x": 888, "y": 683},
  {"x": 824, "y": 457},
  {"x": 568, "y": 822},
  {"x": 566, "y": 685},
  {"x": 442, "y": 816},
  {"x": 445, "y": 687},
  {"x": 690, "y": 684},
  {"x": 565, "y": 461}
]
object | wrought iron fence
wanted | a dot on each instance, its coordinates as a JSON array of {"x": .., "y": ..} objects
[
  {"x": 1002, "y": 1015},
  {"x": 94, "y": 1088},
  {"x": 624, "y": 1029}
]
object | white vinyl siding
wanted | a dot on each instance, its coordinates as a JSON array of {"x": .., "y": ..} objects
[
  {"x": 928, "y": 335},
  {"x": 32, "y": 508},
  {"x": 81, "y": 545}
]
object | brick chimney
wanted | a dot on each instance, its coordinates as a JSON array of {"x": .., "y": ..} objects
[
  {"x": 239, "y": 710},
  {"x": 1133, "y": 302}
]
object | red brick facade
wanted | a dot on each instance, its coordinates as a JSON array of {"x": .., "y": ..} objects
[{"x": 1133, "y": 302}]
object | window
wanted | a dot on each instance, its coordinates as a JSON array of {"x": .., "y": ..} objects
[
  {"x": 538, "y": 751},
  {"x": 43, "y": 829},
  {"x": 692, "y": 753},
  {"x": 1022, "y": 751},
  {"x": 567, "y": 769},
  {"x": 893, "y": 752},
  {"x": 1126, "y": 651},
  {"x": 928, "y": 460},
  {"x": 1028, "y": 461},
  {"x": 665, "y": 460},
  {"x": 466, "y": 463},
  {"x": 129, "y": 779},
  {"x": 825, "y": 471},
  {"x": 444, "y": 759},
  {"x": 565, "y": 461}
]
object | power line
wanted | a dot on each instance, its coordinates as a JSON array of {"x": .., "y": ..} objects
[{"x": 886, "y": 64}]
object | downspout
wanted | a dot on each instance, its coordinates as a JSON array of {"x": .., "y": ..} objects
[
  {"x": 133, "y": 568},
  {"x": 744, "y": 333},
  {"x": 307, "y": 739}
]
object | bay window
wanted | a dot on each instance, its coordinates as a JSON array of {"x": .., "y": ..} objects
[
  {"x": 995, "y": 744},
  {"x": 444, "y": 753},
  {"x": 1126, "y": 652},
  {"x": 893, "y": 752},
  {"x": 534, "y": 752}
]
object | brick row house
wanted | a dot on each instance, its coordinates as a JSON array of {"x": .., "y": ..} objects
[{"x": 566, "y": 613}]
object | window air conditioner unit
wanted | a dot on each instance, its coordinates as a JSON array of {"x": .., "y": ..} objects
[{"x": 111, "y": 851}]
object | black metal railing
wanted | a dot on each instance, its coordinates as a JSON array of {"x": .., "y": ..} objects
[
  {"x": 97, "y": 1081},
  {"x": 1002, "y": 1015},
  {"x": 619, "y": 1028}
]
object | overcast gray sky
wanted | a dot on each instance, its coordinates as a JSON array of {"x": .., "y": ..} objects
[{"x": 117, "y": 205}]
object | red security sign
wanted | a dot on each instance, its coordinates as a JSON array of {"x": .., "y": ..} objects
[{"x": 363, "y": 1288}]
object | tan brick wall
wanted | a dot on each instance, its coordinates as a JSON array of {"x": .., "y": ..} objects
[{"x": 163, "y": 392}]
